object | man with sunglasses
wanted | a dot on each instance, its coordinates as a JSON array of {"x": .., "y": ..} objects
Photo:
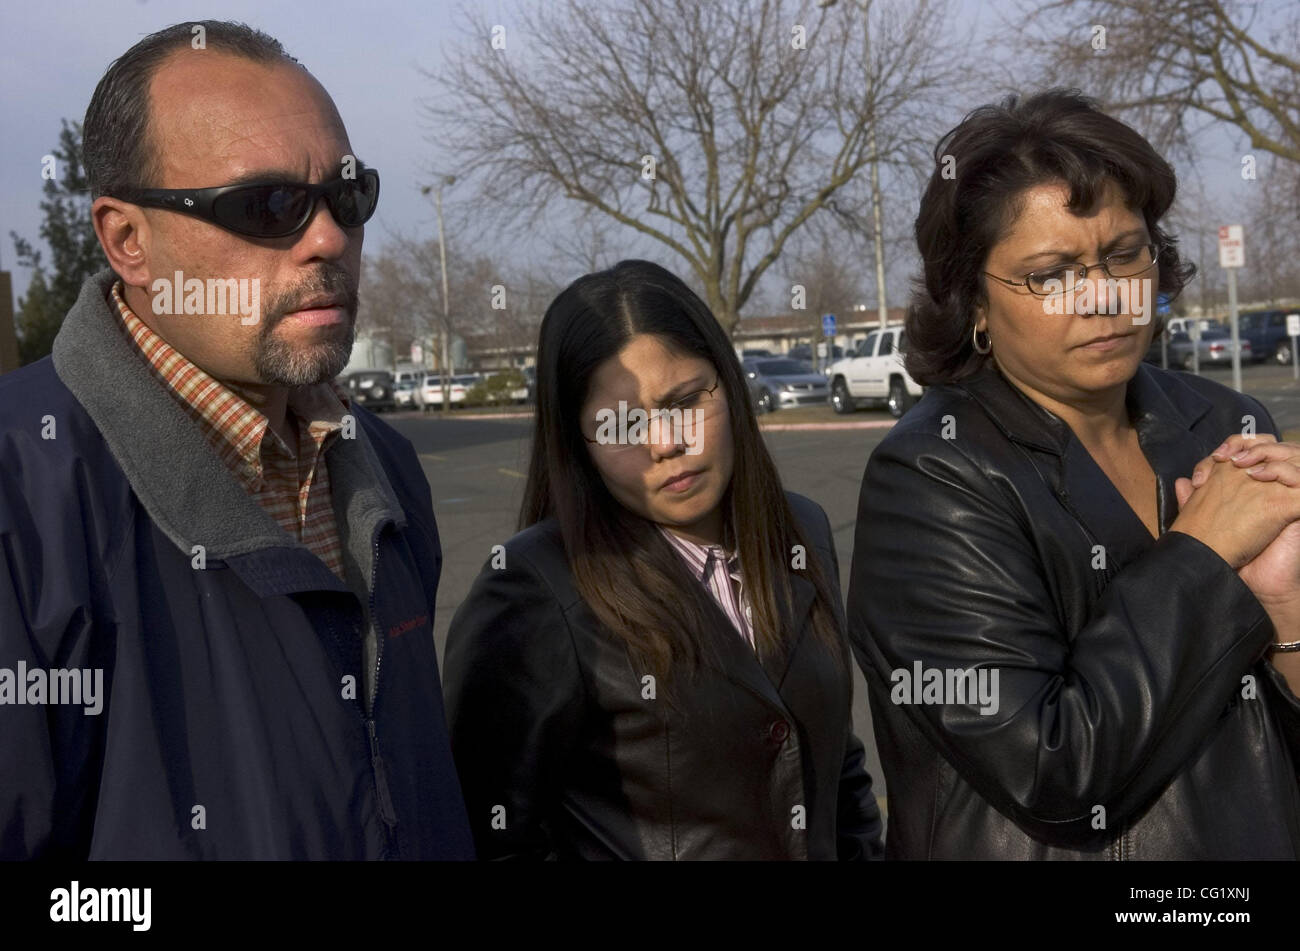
[{"x": 191, "y": 511}]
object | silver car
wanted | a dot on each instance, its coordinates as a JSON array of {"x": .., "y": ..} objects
[{"x": 779, "y": 382}]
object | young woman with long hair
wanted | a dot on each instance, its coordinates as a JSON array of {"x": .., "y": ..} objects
[{"x": 655, "y": 666}]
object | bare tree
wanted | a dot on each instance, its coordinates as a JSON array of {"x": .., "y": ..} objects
[
  {"x": 716, "y": 129},
  {"x": 831, "y": 274},
  {"x": 1194, "y": 220},
  {"x": 388, "y": 299},
  {"x": 1167, "y": 62},
  {"x": 589, "y": 245},
  {"x": 501, "y": 311},
  {"x": 402, "y": 298},
  {"x": 1272, "y": 225}
]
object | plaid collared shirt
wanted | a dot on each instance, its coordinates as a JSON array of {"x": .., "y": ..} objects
[
  {"x": 717, "y": 571},
  {"x": 292, "y": 485}
]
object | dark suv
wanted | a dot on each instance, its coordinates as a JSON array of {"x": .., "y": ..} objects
[
  {"x": 1266, "y": 331},
  {"x": 373, "y": 389}
]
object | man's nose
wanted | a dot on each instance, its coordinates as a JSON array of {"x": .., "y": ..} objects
[{"x": 323, "y": 237}]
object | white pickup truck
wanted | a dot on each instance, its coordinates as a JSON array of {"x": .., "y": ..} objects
[{"x": 874, "y": 373}]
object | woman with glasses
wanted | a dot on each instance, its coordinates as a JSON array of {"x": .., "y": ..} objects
[
  {"x": 655, "y": 667},
  {"x": 1073, "y": 651}
]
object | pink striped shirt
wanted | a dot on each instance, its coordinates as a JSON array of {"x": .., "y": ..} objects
[{"x": 706, "y": 563}]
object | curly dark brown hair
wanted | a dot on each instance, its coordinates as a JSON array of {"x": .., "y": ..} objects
[{"x": 982, "y": 169}]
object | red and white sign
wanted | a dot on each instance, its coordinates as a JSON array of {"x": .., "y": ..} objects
[{"x": 1232, "y": 247}]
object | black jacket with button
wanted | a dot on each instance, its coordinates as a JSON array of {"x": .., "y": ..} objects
[
  {"x": 562, "y": 755},
  {"x": 1137, "y": 717}
]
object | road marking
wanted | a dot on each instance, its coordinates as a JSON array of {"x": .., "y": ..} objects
[
  {"x": 429, "y": 455},
  {"x": 512, "y": 472}
]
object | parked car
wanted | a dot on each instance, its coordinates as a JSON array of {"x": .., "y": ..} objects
[
  {"x": 405, "y": 392},
  {"x": 804, "y": 352},
  {"x": 1215, "y": 349},
  {"x": 874, "y": 373},
  {"x": 1266, "y": 331},
  {"x": 1179, "y": 328},
  {"x": 373, "y": 389},
  {"x": 1184, "y": 324},
  {"x": 778, "y": 382},
  {"x": 754, "y": 353},
  {"x": 431, "y": 391},
  {"x": 430, "y": 388}
]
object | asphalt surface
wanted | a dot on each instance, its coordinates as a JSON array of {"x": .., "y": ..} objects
[{"x": 476, "y": 468}]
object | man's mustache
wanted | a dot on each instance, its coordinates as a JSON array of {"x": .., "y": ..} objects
[{"x": 333, "y": 282}]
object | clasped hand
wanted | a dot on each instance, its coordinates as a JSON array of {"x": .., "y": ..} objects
[{"x": 1243, "y": 501}]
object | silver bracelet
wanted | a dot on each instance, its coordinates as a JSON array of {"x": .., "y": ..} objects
[{"x": 1286, "y": 647}]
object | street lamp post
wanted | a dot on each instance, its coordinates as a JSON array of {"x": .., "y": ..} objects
[
  {"x": 444, "y": 363},
  {"x": 877, "y": 223}
]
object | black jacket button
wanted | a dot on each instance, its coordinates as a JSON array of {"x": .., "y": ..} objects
[{"x": 779, "y": 731}]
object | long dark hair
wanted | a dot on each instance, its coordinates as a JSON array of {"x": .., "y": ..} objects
[
  {"x": 626, "y": 571},
  {"x": 982, "y": 168}
]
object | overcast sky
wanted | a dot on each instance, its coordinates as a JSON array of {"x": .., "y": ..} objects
[{"x": 367, "y": 55}]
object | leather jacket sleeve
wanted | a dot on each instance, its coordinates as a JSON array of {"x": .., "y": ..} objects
[
  {"x": 858, "y": 825},
  {"x": 945, "y": 575},
  {"x": 1287, "y": 706},
  {"x": 515, "y": 698},
  {"x": 1286, "y": 703}
]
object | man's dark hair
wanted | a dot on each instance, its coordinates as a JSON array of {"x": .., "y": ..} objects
[
  {"x": 118, "y": 148},
  {"x": 982, "y": 169}
]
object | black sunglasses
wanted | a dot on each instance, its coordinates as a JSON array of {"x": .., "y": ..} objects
[{"x": 270, "y": 210}]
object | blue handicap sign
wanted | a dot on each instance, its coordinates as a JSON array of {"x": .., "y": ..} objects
[{"x": 828, "y": 325}]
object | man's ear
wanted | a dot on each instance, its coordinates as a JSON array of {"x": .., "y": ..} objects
[{"x": 124, "y": 234}]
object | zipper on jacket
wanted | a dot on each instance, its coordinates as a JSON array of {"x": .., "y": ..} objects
[
  {"x": 387, "y": 810},
  {"x": 370, "y": 620}
]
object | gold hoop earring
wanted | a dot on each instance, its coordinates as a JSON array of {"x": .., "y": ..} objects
[{"x": 975, "y": 341}]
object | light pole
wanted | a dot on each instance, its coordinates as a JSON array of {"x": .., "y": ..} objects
[
  {"x": 877, "y": 223},
  {"x": 444, "y": 364},
  {"x": 878, "y": 232}
]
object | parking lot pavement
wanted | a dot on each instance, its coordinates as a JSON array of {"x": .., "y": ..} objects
[
  {"x": 476, "y": 469},
  {"x": 1274, "y": 386}
]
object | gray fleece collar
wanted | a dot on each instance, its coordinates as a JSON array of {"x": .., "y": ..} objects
[{"x": 181, "y": 482}]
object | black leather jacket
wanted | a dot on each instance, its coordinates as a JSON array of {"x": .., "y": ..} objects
[
  {"x": 1136, "y": 716},
  {"x": 561, "y": 755}
]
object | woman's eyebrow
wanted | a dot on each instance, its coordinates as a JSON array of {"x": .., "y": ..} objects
[
  {"x": 1072, "y": 255},
  {"x": 1120, "y": 239},
  {"x": 1063, "y": 255},
  {"x": 695, "y": 381}
]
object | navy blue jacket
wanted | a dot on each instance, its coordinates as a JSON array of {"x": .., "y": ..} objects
[{"x": 234, "y": 723}]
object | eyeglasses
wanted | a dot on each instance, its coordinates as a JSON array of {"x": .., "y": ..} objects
[
  {"x": 1065, "y": 278},
  {"x": 704, "y": 404},
  {"x": 272, "y": 209}
]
